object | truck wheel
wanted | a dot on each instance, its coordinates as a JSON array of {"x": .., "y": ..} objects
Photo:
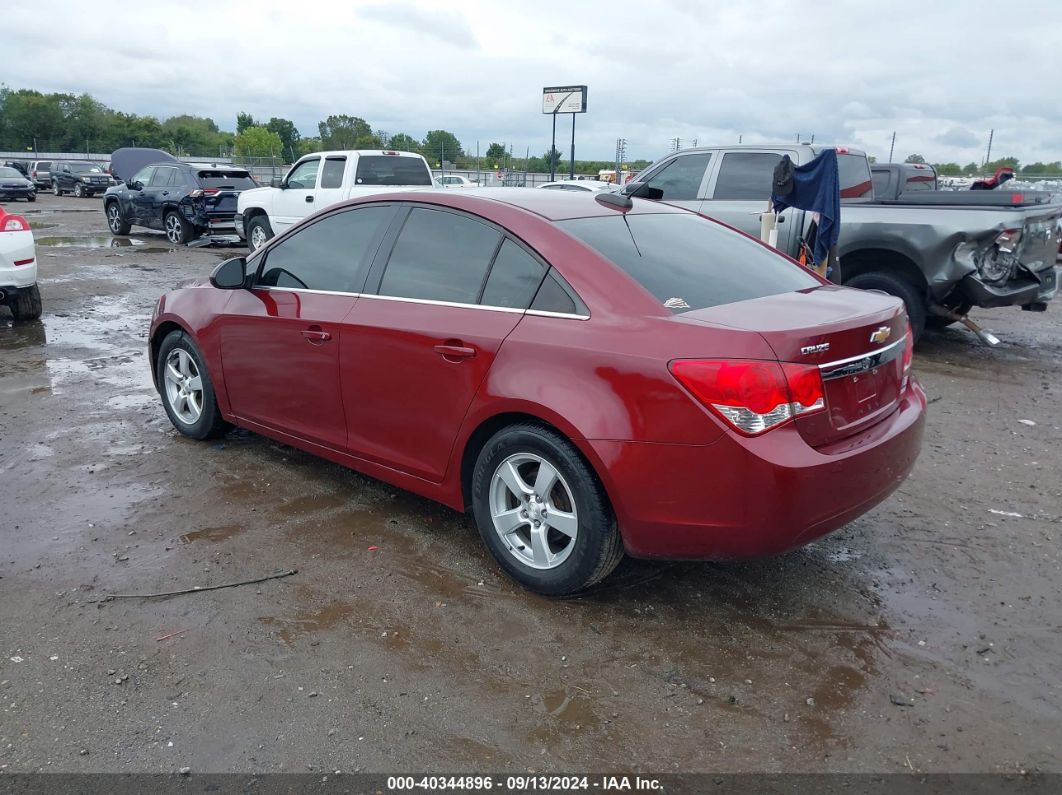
[
  {"x": 177, "y": 229},
  {"x": 26, "y": 305},
  {"x": 911, "y": 296},
  {"x": 79, "y": 191},
  {"x": 259, "y": 232},
  {"x": 117, "y": 224}
]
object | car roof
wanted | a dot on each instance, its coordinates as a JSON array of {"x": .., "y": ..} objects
[
  {"x": 361, "y": 152},
  {"x": 553, "y": 205}
]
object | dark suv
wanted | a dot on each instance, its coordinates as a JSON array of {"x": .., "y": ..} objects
[
  {"x": 185, "y": 200},
  {"x": 79, "y": 178}
]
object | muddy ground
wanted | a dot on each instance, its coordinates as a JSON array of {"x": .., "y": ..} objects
[{"x": 926, "y": 636}]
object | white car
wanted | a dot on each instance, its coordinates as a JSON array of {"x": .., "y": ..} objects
[
  {"x": 585, "y": 185},
  {"x": 455, "y": 181},
  {"x": 18, "y": 268}
]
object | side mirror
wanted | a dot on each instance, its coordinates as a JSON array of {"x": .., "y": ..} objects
[
  {"x": 277, "y": 182},
  {"x": 230, "y": 274},
  {"x": 134, "y": 185}
]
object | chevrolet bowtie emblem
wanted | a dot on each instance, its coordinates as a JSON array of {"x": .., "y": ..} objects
[{"x": 881, "y": 335}]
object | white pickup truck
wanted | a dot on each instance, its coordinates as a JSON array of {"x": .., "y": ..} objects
[{"x": 320, "y": 180}]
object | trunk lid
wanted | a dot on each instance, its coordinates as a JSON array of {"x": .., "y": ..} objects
[{"x": 854, "y": 337}]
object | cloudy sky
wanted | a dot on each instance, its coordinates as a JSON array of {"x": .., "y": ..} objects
[{"x": 941, "y": 73}]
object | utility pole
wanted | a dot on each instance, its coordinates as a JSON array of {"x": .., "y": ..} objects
[
  {"x": 739, "y": 139},
  {"x": 892, "y": 146},
  {"x": 621, "y": 155},
  {"x": 676, "y": 144},
  {"x": 988, "y": 155}
]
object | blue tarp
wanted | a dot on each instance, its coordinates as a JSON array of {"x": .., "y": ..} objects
[{"x": 817, "y": 187}]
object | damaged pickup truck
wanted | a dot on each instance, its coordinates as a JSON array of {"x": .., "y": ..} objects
[{"x": 942, "y": 252}]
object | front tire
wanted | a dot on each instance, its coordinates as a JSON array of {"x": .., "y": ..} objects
[
  {"x": 911, "y": 296},
  {"x": 259, "y": 232},
  {"x": 542, "y": 512},
  {"x": 178, "y": 231},
  {"x": 117, "y": 224},
  {"x": 32, "y": 197},
  {"x": 79, "y": 190},
  {"x": 186, "y": 389},
  {"x": 26, "y": 305}
]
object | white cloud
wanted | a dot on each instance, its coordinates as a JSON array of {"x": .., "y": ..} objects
[{"x": 939, "y": 74}]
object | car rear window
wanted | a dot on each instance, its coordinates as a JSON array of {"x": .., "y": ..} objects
[
  {"x": 392, "y": 170},
  {"x": 854, "y": 174},
  {"x": 688, "y": 262},
  {"x": 237, "y": 180}
]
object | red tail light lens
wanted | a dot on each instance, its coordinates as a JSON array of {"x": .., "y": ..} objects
[
  {"x": 203, "y": 192},
  {"x": 908, "y": 356},
  {"x": 14, "y": 223},
  {"x": 749, "y": 395}
]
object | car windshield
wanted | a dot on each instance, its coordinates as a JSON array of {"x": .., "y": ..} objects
[
  {"x": 688, "y": 262},
  {"x": 234, "y": 180},
  {"x": 8, "y": 173},
  {"x": 85, "y": 168}
]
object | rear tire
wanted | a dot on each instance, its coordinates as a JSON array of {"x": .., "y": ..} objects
[
  {"x": 186, "y": 389},
  {"x": 542, "y": 512},
  {"x": 26, "y": 305},
  {"x": 911, "y": 296},
  {"x": 259, "y": 232},
  {"x": 55, "y": 188},
  {"x": 117, "y": 224},
  {"x": 178, "y": 230}
]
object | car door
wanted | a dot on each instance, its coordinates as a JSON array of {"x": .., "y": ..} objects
[
  {"x": 683, "y": 179},
  {"x": 421, "y": 341},
  {"x": 140, "y": 199},
  {"x": 330, "y": 184},
  {"x": 296, "y": 200},
  {"x": 280, "y": 339},
  {"x": 155, "y": 195},
  {"x": 741, "y": 190}
]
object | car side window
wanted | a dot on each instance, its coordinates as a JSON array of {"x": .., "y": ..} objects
[
  {"x": 163, "y": 177},
  {"x": 514, "y": 277},
  {"x": 440, "y": 256},
  {"x": 332, "y": 173},
  {"x": 680, "y": 180},
  {"x": 555, "y": 295},
  {"x": 326, "y": 255},
  {"x": 746, "y": 176},
  {"x": 143, "y": 176},
  {"x": 304, "y": 175}
]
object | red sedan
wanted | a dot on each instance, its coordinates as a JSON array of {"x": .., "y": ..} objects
[{"x": 587, "y": 375}]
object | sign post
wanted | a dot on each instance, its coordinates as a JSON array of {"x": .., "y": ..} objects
[{"x": 563, "y": 99}]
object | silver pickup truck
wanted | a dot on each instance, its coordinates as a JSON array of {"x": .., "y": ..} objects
[{"x": 942, "y": 257}]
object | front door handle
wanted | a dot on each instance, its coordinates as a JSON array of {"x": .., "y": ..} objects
[
  {"x": 455, "y": 351},
  {"x": 315, "y": 335},
  {"x": 309, "y": 199}
]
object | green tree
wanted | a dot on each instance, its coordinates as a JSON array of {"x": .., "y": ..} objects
[
  {"x": 552, "y": 159},
  {"x": 948, "y": 169},
  {"x": 308, "y": 145},
  {"x": 289, "y": 134},
  {"x": 347, "y": 132},
  {"x": 192, "y": 135},
  {"x": 1003, "y": 162},
  {"x": 401, "y": 142},
  {"x": 441, "y": 144},
  {"x": 258, "y": 141},
  {"x": 915, "y": 159},
  {"x": 243, "y": 121},
  {"x": 1043, "y": 169},
  {"x": 496, "y": 153},
  {"x": 969, "y": 169}
]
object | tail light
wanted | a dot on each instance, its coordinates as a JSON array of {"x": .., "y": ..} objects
[
  {"x": 997, "y": 265},
  {"x": 749, "y": 395},
  {"x": 908, "y": 356},
  {"x": 14, "y": 223},
  {"x": 195, "y": 194}
]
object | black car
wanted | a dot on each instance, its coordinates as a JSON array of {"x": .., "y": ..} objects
[
  {"x": 19, "y": 165},
  {"x": 185, "y": 200},
  {"x": 79, "y": 177},
  {"x": 14, "y": 185}
]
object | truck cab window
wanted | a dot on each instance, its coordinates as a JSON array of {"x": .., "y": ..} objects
[{"x": 746, "y": 176}]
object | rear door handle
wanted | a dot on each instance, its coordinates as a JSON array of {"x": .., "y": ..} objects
[
  {"x": 309, "y": 198},
  {"x": 316, "y": 335},
  {"x": 455, "y": 351}
]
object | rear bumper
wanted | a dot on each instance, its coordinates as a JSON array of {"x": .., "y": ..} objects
[
  {"x": 744, "y": 498},
  {"x": 1041, "y": 286}
]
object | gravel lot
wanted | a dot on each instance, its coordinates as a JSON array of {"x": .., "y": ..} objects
[{"x": 925, "y": 636}]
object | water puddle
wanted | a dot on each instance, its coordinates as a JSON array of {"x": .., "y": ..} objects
[
  {"x": 41, "y": 225},
  {"x": 214, "y": 534},
  {"x": 98, "y": 241}
]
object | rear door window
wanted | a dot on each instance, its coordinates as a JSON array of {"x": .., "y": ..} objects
[
  {"x": 514, "y": 277},
  {"x": 327, "y": 255},
  {"x": 164, "y": 177},
  {"x": 555, "y": 295},
  {"x": 332, "y": 173},
  {"x": 746, "y": 176},
  {"x": 440, "y": 256},
  {"x": 881, "y": 184},
  {"x": 689, "y": 262}
]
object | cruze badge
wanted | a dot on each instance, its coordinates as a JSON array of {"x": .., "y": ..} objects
[
  {"x": 881, "y": 335},
  {"x": 820, "y": 348}
]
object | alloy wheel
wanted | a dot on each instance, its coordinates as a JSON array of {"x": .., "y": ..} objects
[
  {"x": 114, "y": 218},
  {"x": 258, "y": 237},
  {"x": 184, "y": 386},
  {"x": 533, "y": 510},
  {"x": 174, "y": 229}
]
